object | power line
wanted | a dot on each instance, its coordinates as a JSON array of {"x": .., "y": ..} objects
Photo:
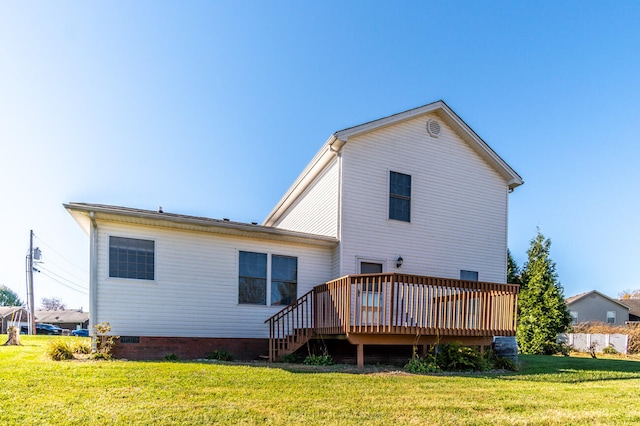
[
  {"x": 65, "y": 285},
  {"x": 82, "y": 279},
  {"x": 82, "y": 286},
  {"x": 60, "y": 254}
]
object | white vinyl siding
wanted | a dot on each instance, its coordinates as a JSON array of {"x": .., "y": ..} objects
[
  {"x": 458, "y": 203},
  {"x": 316, "y": 212},
  {"x": 195, "y": 292}
]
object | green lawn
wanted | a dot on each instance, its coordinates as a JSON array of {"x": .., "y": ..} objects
[{"x": 547, "y": 390}]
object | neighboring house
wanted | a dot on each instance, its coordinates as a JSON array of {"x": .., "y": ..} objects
[
  {"x": 634, "y": 308},
  {"x": 13, "y": 316},
  {"x": 417, "y": 202},
  {"x": 67, "y": 319},
  {"x": 594, "y": 306}
]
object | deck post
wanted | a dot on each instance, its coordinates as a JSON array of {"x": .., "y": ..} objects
[{"x": 360, "y": 355}]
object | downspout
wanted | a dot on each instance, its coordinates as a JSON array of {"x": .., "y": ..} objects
[{"x": 93, "y": 272}]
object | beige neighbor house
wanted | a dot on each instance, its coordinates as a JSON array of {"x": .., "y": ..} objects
[
  {"x": 67, "y": 319},
  {"x": 394, "y": 234},
  {"x": 594, "y": 306}
]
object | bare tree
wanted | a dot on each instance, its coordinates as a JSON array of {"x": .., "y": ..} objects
[{"x": 52, "y": 304}]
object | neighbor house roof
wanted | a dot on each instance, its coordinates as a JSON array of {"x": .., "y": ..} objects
[
  {"x": 580, "y": 296},
  {"x": 336, "y": 141},
  {"x": 61, "y": 316},
  {"x": 7, "y": 311},
  {"x": 633, "y": 305},
  {"x": 85, "y": 213}
]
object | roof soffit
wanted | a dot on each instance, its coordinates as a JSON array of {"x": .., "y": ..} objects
[{"x": 102, "y": 213}]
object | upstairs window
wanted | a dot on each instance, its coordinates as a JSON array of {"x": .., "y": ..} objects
[
  {"x": 400, "y": 197},
  {"x": 611, "y": 317},
  {"x": 131, "y": 258}
]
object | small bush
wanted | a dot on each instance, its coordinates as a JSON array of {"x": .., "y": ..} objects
[
  {"x": 291, "y": 358},
  {"x": 221, "y": 355},
  {"x": 325, "y": 359},
  {"x": 455, "y": 357},
  {"x": 171, "y": 357},
  {"x": 60, "y": 350},
  {"x": 81, "y": 346},
  {"x": 609, "y": 350},
  {"x": 500, "y": 363},
  {"x": 104, "y": 342}
]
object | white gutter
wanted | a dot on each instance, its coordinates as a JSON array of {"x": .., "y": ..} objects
[{"x": 93, "y": 272}]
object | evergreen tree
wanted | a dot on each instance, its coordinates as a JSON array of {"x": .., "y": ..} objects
[
  {"x": 513, "y": 271},
  {"x": 542, "y": 311}
]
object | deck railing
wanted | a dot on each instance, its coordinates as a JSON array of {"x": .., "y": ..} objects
[{"x": 397, "y": 304}]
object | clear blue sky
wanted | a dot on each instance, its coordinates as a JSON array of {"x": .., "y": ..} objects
[{"x": 213, "y": 108}]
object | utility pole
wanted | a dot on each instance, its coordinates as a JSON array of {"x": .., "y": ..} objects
[{"x": 30, "y": 298}]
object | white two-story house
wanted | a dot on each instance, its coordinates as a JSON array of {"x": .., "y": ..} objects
[{"x": 394, "y": 234}]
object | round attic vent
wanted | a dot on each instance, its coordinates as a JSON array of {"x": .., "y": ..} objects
[{"x": 434, "y": 129}]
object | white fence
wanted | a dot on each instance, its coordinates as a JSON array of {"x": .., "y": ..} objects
[{"x": 597, "y": 342}]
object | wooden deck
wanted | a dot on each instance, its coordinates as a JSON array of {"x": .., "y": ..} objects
[{"x": 392, "y": 308}]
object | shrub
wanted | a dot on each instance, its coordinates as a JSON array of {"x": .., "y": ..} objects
[
  {"x": 63, "y": 349},
  {"x": 81, "y": 346},
  {"x": 500, "y": 363},
  {"x": 221, "y": 355},
  {"x": 325, "y": 359},
  {"x": 104, "y": 342},
  {"x": 455, "y": 357},
  {"x": 291, "y": 358},
  {"x": 610, "y": 350},
  {"x": 59, "y": 350},
  {"x": 417, "y": 364},
  {"x": 171, "y": 357}
]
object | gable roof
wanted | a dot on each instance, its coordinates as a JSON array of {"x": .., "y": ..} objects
[
  {"x": 85, "y": 213},
  {"x": 577, "y": 297},
  {"x": 337, "y": 140},
  {"x": 61, "y": 316}
]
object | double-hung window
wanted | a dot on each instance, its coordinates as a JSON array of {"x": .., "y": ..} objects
[
  {"x": 252, "y": 278},
  {"x": 256, "y": 281},
  {"x": 284, "y": 280},
  {"x": 400, "y": 196},
  {"x": 131, "y": 258}
]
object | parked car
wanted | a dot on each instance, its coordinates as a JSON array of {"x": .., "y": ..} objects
[
  {"x": 81, "y": 332},
  {"x": 48, "y": 329}
]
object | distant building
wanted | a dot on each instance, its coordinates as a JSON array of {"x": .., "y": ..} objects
[
  {"x": 634, "y": 308},
  {"x": 594, "y": 306},
  {"x": 13, "y": 315},
  {"x": 69, "y": 319}
]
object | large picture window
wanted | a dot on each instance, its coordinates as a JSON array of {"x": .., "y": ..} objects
[
  {"x": 131, "y": 258},
  {"x": 400, "y": 197},
  {"x": 284, "y": 280},
  {"x": 252, "y": 287}
]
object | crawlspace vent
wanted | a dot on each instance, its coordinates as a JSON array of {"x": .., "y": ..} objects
[{"x": 433, "y": 128}]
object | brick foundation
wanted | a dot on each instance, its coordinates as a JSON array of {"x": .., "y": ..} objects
[{"x": 150, "y": 348}]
